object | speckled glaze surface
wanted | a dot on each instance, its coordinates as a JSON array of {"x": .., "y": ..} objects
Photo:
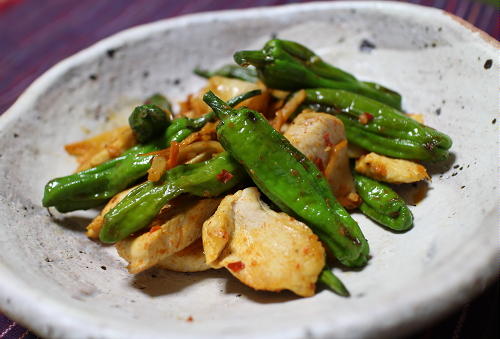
[{"x": 61, "y": 285}]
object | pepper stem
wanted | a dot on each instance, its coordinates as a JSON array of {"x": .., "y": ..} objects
[
  {"x": 331, "y": 281},
  {"x": 245, "y": 58},
  {"x": 220, "y": 108}
]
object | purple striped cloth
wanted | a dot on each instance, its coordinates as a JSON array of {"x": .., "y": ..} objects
[{"x": 35, "y": 35}]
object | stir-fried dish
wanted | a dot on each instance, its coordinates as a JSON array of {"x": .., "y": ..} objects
[{"x": 255, "y": 173}]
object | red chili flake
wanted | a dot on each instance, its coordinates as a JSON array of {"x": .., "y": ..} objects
[
  {"x": 224, "y": 176},
  {"x": 154, "y": 229},
  {"x": 189, "y": 319},
  {"x": 326, "y": 138},
  {"x": 319, "y": 163},
  {"x": 365, "y": 118},
  {"x": 236, "y": 266}
]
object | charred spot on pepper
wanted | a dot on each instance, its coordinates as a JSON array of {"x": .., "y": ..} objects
[
  {"x": 251, "y": 116},
  {"x": 343, "y": 231},
  {"x": 394, "y": 214}
]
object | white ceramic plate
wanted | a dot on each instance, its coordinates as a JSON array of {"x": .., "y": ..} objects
[{"x": 52, "y": 278}]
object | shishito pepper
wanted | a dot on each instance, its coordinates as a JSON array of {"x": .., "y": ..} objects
[
  {"x": 290, "y": 66},
  {"x": 382, "y": 204},
  {"x": 144, "y": 202},
  {"x": 288, "y": 179},
  {"x": 93, "y": 187},
  {"x": 380, "y": 128}
]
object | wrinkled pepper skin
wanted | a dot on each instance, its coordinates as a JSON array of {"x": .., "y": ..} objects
[
  {"x": 388, "y": 132},
  {"x": 144, "y": 202},
  {"x": 95, "y": 186},
  {"x": 290, "y": 66},
  {"x": 231, "y": 71},
  {"x": 289, "y": 179},
  {"x": 382, "y": 204}
]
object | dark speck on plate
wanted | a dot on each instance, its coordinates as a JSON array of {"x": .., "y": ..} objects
[
  {"x": 494, "y": 121},
  {"x": 366, "y": 46},
  {"x": 111, "y": 53},
  {"x": 103, "y": 268},
  {"x": 438, "y": 111},
  {"x": 177, "y": 81},
  {"x": 93, "y": 77},
  {"x": 488, "y": 64}
]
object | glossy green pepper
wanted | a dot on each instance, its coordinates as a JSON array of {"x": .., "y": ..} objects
[
  {"x": 144, "y": 202},
  {"x": 385, "y": 130},
  {"x": 382, "y": 204},
  {"x": 290, "y": 66},
  {"x": 288, "y": 179},
  {"x": 93, "y": 187}
]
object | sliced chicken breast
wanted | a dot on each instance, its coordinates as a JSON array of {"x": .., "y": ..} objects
[
  {"x": 321, "y": 138},
  {"x": 190, "y": 259},
  {"x": 394, "y": 171},
  {"x": 264, "y": 249},
  {"x": 171, "y": 231}
]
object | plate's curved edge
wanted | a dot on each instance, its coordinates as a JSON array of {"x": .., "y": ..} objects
[
  {"x": 46, "y": 325},
  {"x": 467, "y": 25}
]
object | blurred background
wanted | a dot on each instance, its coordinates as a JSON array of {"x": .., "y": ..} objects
[{"x": 36, "y": 34}]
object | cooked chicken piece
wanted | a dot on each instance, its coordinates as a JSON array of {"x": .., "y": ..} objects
[
  {"x": 95, "y": 226},
  {"x": 190, "y": 259},
  {"x": 264, "y": 249},
  {"x": 103, "y": 147},
  {"x": 171, "y": 231},
  {"x": 285, "y": 112},
  {"x": 227, "y": 88},
  {"x": 354, "y": 151},
  {"x": 394, "y": 171},
  {"x": 321, "y": 138}
]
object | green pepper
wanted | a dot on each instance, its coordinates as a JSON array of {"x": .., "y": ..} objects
[
  {"x": 290, "y": 66},
  {"x": 385, "y": 130},
  {"x": 95, "y": 186},
  {"x": 382, "y": 204},
  {"x": 231, "y": 71},
  {"x": 330, "y": 280},
  {"x": 148, "y": 122},
  {"x": 162, "y": 102},
  {"x": 142, "y": 204},
  {"x": 288, "y": 179}
]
